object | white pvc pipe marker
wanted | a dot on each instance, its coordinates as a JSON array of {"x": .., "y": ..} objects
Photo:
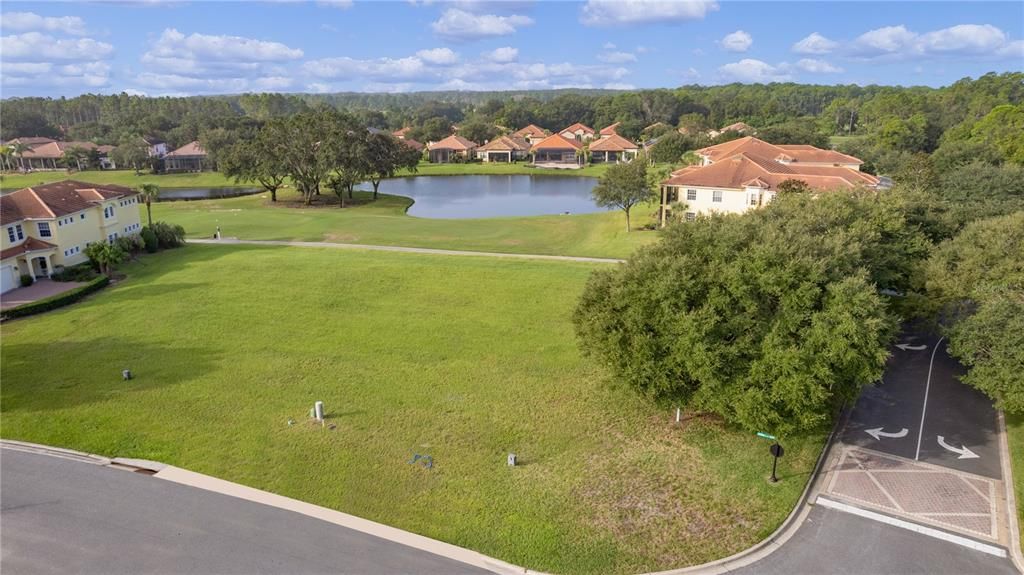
[{"x": 318, "y": 410}]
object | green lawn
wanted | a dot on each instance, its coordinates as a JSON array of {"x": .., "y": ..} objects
[
  {"x": 1015, "y": 436},
  {"x": 215, "y": 179},
  {"x": 385, "y": 222},
  {"x": 464, "y": 359}
]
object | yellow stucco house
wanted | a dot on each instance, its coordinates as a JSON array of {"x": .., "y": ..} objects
[{"x": 46, "y": 227}]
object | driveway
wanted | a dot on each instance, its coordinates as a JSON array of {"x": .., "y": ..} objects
[
  {"x": 42, "y": 288},
  {"x": 60, "y": 516}
]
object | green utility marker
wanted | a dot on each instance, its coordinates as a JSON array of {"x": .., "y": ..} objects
[{"x": 766, "y": 435}]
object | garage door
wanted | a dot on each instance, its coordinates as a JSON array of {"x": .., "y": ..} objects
[{"x": 7, "y": 282}]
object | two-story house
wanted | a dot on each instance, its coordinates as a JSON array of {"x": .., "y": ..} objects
[
  {"x": 47, "y": 227},
  {"x": 744, "y": 174}
]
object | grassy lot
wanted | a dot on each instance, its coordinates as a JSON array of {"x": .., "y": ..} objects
[
  {"x": 215, "y": 179},
  {"x": 1015, "y": 435},
  {"x": 465, "y": 359},
  {"x": 385, "y": 222}
]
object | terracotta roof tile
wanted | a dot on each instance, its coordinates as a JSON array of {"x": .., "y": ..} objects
[
  {"x": 531, "y": 130},
  {"x": 29, "y": 245},
  {"x": 610, "y": 130},
  {"x": 613, "y": 143},
  {"x": 557, "y": 142},
  {"x": 189, "y": 149},
  {"x": 453, "y": 143},
  {"x": 738, "y": 170},
  {"x": 56, "y": 200},
  {"x": 578, "y": 126},
  {"x": 505, "y": 143},
  {"x": 412, "y": 143}
]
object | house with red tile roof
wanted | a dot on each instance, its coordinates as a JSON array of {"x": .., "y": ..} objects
[
  {"x": 412, "y": 144},
  {"x": 557, "y": 150},
  {"x": 450, "y": 148},
  {"x": 401, "y": 134},
  {"x": 532, "y": 134},
  {"x": 579, "y": 132},
  {"x": 49, "y": 154},
  {"x": 740, "y": 127},
  {"x": 189, "y": 158},
  {"x": 744, "y": 174},
  {"x": 49, "y": 226},
  {"x": 504, "y": 149},
  {"x": 613, "y": 148}
]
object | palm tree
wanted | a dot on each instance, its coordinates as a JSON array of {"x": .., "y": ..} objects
[
  {"x": 5, "y": 157},
  {"x": 149, "y": 193},
  {"x": 19, "y": 150}
]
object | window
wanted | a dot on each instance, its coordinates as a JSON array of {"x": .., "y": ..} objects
[
  {"x": 753, "y": 199},
  {"x": 690, "y": 216},
  {"x": 81, "y": 216},
  {"x": 716, "y": 196},
  {"x": 10, "y": 234},
  {"x": 108, "y": 212},
  {"x": 21, "y": 233},
  {"x": 691, "y": 195},
  {"x": 44, "y": 229}
]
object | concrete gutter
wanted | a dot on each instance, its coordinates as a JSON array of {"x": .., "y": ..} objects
[
  {"x": 408, "y": 250},
  {"x": 1011, "y": 502}
]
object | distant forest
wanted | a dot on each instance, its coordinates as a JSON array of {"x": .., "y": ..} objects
[{"x": 970, "y": 120}]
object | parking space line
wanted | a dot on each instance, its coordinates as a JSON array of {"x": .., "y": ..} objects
[
  {"x": 924, "y": 408},
  {"x": 951, "y": 538}
]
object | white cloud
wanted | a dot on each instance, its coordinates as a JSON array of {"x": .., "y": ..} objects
[
  {"x": 738, "y": 41},
  {"x": 174, "y": 44},
  {"x": 749, "y": 70},
  {"x": 38, "y": 47},
  {"x": 343, "y": 4},
  {"x": 440, "y": 56},
  {"x": 380, "y": 69},
  {"x": 1013, "y": 49},
  {"x": 815, "y": 44},
  {"x": 455, "y": 24},
  {"x": 616, "y": 57},
  {"x": 983, "y": 40},
  {"x": 503, "y": 55},
  {"x": 815, "y": 66},
  {"x": 642, "y": 49},
  {"x": 618, "y": 86},
  {"x": 691, "y": 74},
  {"x": 318, "y": 87},
  {"x": 28, "y": 21},
  {"x": 45, "y": 74},
  {"x": 626, "y": 12}
]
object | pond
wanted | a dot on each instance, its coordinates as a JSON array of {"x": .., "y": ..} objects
[
  {"x": 174, "y": 194},
  {"x": 493, "y": 196}
]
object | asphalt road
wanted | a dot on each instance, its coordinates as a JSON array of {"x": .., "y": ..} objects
[
  {"x": 64, "y": 516},
  {"x": 961, "y": 415},
  {"x": 838, "y": 543}
]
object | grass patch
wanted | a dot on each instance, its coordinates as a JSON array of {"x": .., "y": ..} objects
[
  {"x": 1015, "y": 439},
  {"x": 385, "y": 222},
  {"x": 13, "y": 181},
  {"x": 465, "y": 359}
]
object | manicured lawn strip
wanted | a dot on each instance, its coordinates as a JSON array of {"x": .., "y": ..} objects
[
  {"x": 465, "y": 359},
  {"x": 215, "y": 179},
  {"x": 385, "y": 222},
  {"x": 1015, "y": 438}
]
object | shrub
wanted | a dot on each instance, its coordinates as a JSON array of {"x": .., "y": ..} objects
[
  {"x": 79, "y": 273},
  {"x": 59, "y": 300},
  {"x": 168, "y": 235},
  {"x": 130, "y": 244},
  {"x": 26, "y": 280},
  {"x": 149, "y": 240}
]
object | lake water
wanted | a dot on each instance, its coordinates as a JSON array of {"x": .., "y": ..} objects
[
  {"x": 174, "y": 194},
  {"x": 493, "y": 196}
]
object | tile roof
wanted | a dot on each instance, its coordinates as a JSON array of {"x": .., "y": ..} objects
[
  {"x": 56, "y": 200},
  {"x": 29, "y": 245},
  {"x": 531, "y": 130},
  {"x": 55, "y": 150},
  {"x": 505, "y": 143},
  {"x": 453, "y": 143},
  {"x": 805, "y": 153},
  {"x": 557, "y": 142},
  {"x": 401, "y": 133},
  {"x": 578, "y": 126},
  {"x": 189, "y": 149},
  {"x": 737, "y": 127},
  {"x": 610, "y": 130},
  {"x": 613, "y": 143},
  {"x": 744, "y": 169},
  {"x": 412, "y": 143},
  {"x": 30, "y": 140}
]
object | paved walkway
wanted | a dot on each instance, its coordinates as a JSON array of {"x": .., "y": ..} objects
[
  {"x": 42, "y": 288},
  {"x": 409, "y": 250}
]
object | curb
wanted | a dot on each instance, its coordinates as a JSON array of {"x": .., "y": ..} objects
[
  {"x": 1011, "y": 502},
  {"x": 212, "y": 484}
]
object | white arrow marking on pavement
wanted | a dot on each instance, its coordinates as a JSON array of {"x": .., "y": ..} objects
[
  {"x": 908, "y": 347},
  {"x": 877, "y": 433},
  {"x": 964, "y": 452}
]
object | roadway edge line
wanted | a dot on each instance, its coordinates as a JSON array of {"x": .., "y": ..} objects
[
  {"x": 1011, "y": 500},
  {"x": 910, "y": 526}
]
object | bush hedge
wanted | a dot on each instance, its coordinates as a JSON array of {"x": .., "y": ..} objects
[{"x": 59, "y": 300}]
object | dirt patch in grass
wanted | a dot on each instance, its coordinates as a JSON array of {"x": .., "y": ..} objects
[{"x": 321, "y": 201}]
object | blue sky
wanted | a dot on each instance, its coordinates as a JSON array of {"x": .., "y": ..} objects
[{"x": 179, "y": 47}]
